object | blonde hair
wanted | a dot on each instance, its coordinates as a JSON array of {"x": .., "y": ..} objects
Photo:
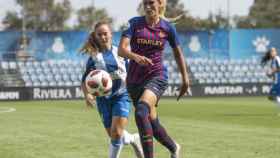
[
  {"x": 162, "y": 11},
  {"x": 90, "y": 46},
  {"x": 162, "y": 8}
]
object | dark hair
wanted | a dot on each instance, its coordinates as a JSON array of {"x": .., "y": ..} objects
[{"x": 266, "y": 57}]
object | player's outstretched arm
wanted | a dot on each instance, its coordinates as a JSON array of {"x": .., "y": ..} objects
[
  {"x": 178, "y": 55},
  {"x": 125, "y": 52},
  {"x": 89, "y": 98}
]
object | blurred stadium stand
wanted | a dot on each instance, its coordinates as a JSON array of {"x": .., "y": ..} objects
[{"x": 51, "y": 59}]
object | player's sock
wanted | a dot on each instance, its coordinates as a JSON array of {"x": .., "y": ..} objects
[
  {"x": 134, "y": 141},
  {"x": 277, "y": 102},
  {"x": 127, "y": 137},
  {"x": 144, "y": 128},
  {"x": 161, "y": 135},
  {"x": 115, "y": 148}
]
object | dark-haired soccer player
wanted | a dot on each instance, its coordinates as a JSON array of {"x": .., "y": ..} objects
[
  {"x": 274, "y": 73},
  {"x": 143, "y": 42}
]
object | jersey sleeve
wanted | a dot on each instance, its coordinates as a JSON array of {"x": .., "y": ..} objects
[
  {"x": 126, "y": 63},
  {"x": 173, "y": 38},
  {"x": 89, "y": 67},
  {"x": 129, "y": 28},
  {"x": 277, "y": 62}
]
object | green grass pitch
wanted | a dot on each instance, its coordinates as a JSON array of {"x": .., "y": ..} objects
[{"x": 238, "y": 127}]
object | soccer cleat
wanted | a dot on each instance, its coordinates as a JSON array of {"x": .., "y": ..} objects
[
  {"x": 137, "y": 147},
  {"x": 177, "y": 152}
]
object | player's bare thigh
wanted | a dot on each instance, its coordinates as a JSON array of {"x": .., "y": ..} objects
[{"x": 150, "y": 97}]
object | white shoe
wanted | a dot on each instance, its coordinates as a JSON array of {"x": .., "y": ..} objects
[
  {"x": 177, "y": 152},
  {"x": 137, "y": 147}
]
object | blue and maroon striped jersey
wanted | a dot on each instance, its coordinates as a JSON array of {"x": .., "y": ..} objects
[{"x": 149, "y": 42}]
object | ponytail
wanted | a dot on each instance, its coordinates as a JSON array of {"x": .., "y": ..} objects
[
  {"x": 162, "y": 11},
  {"x": 90, "y": 46},
  {"x": 265, "y": 58}
]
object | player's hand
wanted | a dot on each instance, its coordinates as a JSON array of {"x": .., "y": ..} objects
[
  {"x": 269, "y": 74},
  {"x": 184, "y": 89},
  {"x": 90, "y": 101},
  {"x": 142, "y": 60}
]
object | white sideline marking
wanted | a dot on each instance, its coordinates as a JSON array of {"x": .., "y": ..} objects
[{"x": 6, "y": 109}]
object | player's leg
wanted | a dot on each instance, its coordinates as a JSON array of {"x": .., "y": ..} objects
[
  {"x": 116, "y": 136},
  {"x": 159, "y": 131},
  {"x": 105, "y": 110},
  {"x": 120, "y": 111},
  {"x": 154, "y": 89},
  {"x": 274, "y": 95},
  {"x": 142, "y": 119},
  {"x": 273, "y": 92},
  {"x": 277, "y": 98}
]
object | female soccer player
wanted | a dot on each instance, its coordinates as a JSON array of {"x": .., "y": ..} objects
[
  {"x": 274, "y": 73},
  {"x": 113, "y": 109},
  {"x": 143, "y": 42},
  {"x": 162, "y": 10}
]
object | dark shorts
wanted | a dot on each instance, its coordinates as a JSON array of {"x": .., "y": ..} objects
[
  {"x": 275, "y": 90},
  {"x": 156, "y": 85}
]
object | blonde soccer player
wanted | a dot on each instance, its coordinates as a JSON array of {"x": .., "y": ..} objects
[{"x": 143, "y": 43}]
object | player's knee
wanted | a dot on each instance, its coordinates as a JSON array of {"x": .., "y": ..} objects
[
  {"x": 116, "y": 133},
  {"x": 142, "y": 110}
]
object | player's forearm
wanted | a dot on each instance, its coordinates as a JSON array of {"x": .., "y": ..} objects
[
  {"x": 84, "y": 89},
  {"x": 275, "y": 70},
  {"x": 88, "y": 96},
  {"x": 126, "y": 53},
  {"x": 180, "y": 60},
  {"x": 124, "y": 50}
]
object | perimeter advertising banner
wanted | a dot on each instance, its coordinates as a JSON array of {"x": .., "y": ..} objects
[{"x": 60, "y": 93}]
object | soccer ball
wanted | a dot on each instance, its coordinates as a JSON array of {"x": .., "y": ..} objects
[{"x": 99, "y": 83}]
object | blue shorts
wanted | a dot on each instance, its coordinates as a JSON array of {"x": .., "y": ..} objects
[
  {"x": 156, "y": 85},
  {"x": 114, "y": 106},
  {"x": 275, "y": 90}
]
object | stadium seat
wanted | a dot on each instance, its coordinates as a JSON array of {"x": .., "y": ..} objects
[
  {"x": 58, "y": 77},
  {"x": 28, "y": 84},
  {"x": 52, "y": 83},
  {"x": 44, "y": 84},
  {"x": 4, "y": 65},
  {"x": 36, "y": 84},
  {"x": 76, "y": 83}
]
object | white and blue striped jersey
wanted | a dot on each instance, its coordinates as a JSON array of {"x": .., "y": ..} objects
[
  {"x": 115, "y": 65},
  {"x": 275, "y": 64}
]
